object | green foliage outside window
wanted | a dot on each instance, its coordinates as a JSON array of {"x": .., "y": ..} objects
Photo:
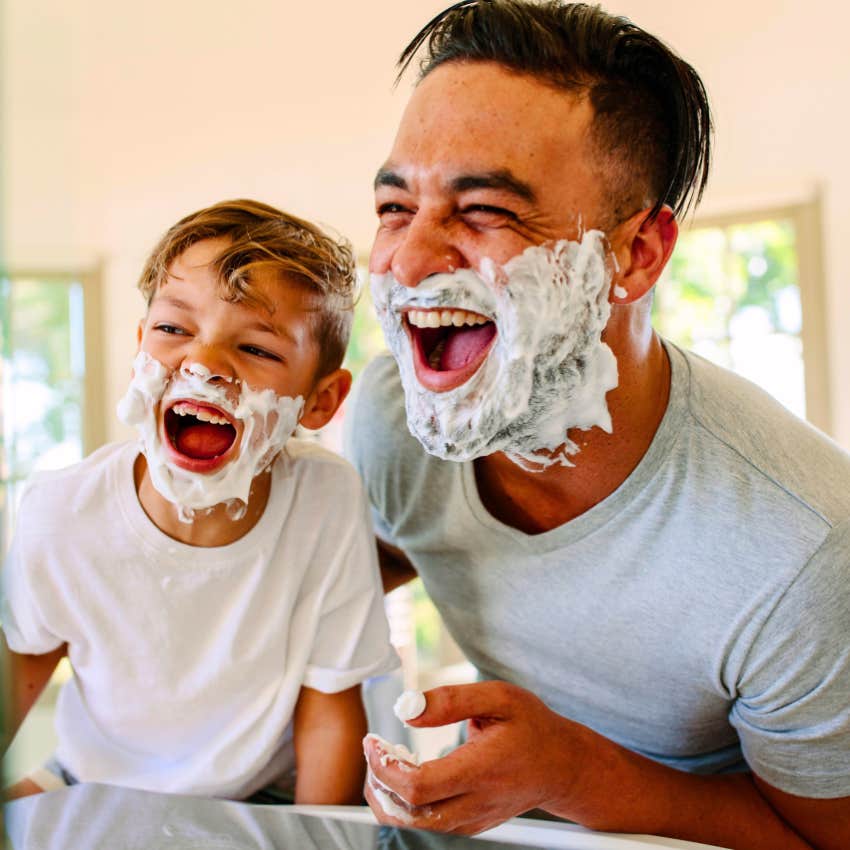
[
  {"x": 41, "y": 375},
  {"x": 731, "y": 294}
]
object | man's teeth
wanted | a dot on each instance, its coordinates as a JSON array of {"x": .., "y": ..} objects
[
  {"x": 199, "y": 413},
  {"x": 444, "y": 318}
]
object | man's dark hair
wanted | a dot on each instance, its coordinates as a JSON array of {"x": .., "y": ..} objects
[{"x": 652, "y": 122}]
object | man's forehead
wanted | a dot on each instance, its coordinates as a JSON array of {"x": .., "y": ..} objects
[{"x": 479, "y": 119}]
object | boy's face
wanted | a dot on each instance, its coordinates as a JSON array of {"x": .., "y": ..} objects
[{"x": 194, "y": 333}]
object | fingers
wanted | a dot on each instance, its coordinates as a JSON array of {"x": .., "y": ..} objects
[
  {"x": 480, "y": 700},
  {"x": 433, "y": 781},
  {"x": 466, "y": 814}
]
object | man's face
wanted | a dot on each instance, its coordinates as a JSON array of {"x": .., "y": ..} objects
[
  {"x": 486, "y": 165},
  {"x": 218, "y": 385}
]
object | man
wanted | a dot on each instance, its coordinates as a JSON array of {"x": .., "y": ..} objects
[{"x": 645, "y": 556}]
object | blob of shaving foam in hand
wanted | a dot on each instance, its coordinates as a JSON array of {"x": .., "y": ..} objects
[
  {"x": 395, "y": 752},
  {"x": 409, "y": 705},
  {"x": 392, "y": 803}
]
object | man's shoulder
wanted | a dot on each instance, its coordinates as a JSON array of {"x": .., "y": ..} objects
[
  {"x": 763, "y": 436},
  {"x": 375, "y": 418},
  {"x": 378, "y": 393}
]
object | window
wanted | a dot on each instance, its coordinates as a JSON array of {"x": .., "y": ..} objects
[
  {"x": 48, "y": 377},
  {"x": 743, "y": 292}
]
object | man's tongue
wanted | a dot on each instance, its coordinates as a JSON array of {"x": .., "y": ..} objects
[
  {"x": 204, "y": 440},
  {"x": 462, "y": 346}
]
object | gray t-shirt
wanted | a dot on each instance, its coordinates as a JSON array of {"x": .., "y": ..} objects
[{"x": 699, "y": 615}]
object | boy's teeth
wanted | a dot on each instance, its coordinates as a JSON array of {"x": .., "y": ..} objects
[
  {"x": 199, "y": 413},
  {"x": 444, "y": 318}
]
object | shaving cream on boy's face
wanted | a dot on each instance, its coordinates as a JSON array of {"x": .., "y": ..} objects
[
  {"x": 527, "y": 335},
  {"x": 205, "y": 438}
]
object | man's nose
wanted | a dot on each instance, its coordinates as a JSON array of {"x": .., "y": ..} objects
[{"x": 425, "y": 248}]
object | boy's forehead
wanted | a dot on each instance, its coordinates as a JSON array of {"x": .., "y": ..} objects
[
  {"x": 268, "y": 289},
  {"x": 198, "y": 256}
]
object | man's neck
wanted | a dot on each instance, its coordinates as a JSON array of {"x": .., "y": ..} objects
[
  {"x": 210, "y": 526},
  {"x": 535, "y": 502}
]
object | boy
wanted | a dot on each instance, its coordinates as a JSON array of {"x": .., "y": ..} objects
[{"x": 216, "y": 594}]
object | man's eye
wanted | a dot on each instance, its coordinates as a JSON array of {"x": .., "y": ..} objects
[
  {"x": 487, "y": 215},
  {"x": 391, "y": 213},
  {"x": 254, "y": 351}
]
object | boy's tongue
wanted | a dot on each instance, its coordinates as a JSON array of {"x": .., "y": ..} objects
[
  {"x": 204, "y": 440},
  {"x": 463, "y": 346}
]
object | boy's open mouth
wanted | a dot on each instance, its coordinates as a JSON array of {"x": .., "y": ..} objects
[
  {"x": 448, "y": 345},
  {"x": 199, "y": 431}
]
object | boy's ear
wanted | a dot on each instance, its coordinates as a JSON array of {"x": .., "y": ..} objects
[
  {"x": 642, "y": 247},
  {"x": 328, "y": 394},
  {"x": 139, "y": 333}
]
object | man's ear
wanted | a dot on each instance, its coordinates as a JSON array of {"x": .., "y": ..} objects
[
  {"x": 328, "y": 394},
  {"x": 642, "y": 247}
]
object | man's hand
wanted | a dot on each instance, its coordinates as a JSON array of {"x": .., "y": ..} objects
[
  {"x": 521, "y": 755},
  {"x": 504, "y": 769}
]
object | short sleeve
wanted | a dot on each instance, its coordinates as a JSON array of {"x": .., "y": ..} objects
[
  {"x": 24, "y": 585},
  {"x": 792, "y": 713},
  {"x": 352, "y": 641}
]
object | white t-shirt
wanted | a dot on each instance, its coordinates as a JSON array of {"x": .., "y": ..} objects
[{"x": 188, "y": 661}]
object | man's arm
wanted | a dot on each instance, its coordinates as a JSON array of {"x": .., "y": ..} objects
[
  {"x": 396, "y": 569},
  {"x": 520, "y": 755},
  {"x": 328, "y": 732},
  {"x": 27, "y": 676}
]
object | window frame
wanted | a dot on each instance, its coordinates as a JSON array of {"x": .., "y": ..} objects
[
  {"x": 93, "y": 431},
  {"x": 806, "y": 218}
]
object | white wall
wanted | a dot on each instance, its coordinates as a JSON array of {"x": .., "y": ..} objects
[{"x": 120, "y": 118}]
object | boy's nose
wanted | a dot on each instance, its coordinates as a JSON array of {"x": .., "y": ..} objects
[
  {"x": 208, "y": 364},
  {"x": 198, "y": 370}
]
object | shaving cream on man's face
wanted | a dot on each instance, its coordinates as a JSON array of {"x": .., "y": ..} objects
[
  {"x": 525, "y": 342},
  {"x": 205, "y": 439}
]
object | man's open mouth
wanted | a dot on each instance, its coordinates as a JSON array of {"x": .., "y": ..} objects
[
  {"x": 448, "y": 345},
  {"x": 199, "y": 432}
]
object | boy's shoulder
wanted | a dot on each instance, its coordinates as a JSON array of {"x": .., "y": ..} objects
[
  {"x": 306, "y": 458},
  {"x": 75, "y": 489}
]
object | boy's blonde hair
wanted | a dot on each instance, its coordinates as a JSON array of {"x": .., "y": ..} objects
[{"x": 264, "y": 237}]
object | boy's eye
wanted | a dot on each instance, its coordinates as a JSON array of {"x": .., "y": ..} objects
[
  {"x": 254, "y": 351},
  {"x": 169, "y": 329}
]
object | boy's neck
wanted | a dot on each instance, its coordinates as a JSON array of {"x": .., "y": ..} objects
[{"x": 212, "y": 527}]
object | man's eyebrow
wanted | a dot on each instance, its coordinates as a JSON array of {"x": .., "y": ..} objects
[
  {"x": 501, "y": 179},
  {"x": 387, "y": 177}
]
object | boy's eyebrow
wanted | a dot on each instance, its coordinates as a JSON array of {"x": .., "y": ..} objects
[
  {"x": 259, "y": 325},
  {"x": 270, "y": 328},
  {"x": 501, "y": 179},
  {"x": 174, "y": 302}
]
